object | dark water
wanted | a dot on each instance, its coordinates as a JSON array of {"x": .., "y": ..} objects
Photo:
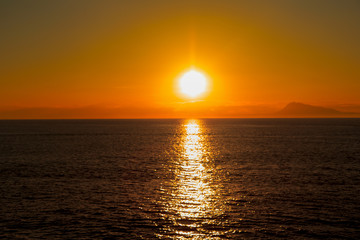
[{"x": 180, "y": 179}]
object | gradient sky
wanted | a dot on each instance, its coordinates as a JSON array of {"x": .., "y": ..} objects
[{"x": 120, "y": 59}]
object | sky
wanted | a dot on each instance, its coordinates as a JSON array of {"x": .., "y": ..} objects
[{"x": 122, "y": 59}]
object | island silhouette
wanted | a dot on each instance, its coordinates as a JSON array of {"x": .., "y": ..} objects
[{"x": 297, "y": 109}]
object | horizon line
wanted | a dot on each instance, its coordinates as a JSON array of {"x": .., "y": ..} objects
[{"x": 180, "y": 118}]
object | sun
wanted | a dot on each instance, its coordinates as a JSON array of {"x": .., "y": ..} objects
[{"x": 193, "y": 83}]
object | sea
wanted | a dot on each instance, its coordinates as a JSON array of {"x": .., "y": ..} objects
[{"x": 180, "y": 179}]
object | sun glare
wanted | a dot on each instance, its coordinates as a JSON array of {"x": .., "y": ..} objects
[{"x": 193, "y": 83}]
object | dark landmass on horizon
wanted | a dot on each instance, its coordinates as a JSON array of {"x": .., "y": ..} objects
[{"x": 296, "y": 109}]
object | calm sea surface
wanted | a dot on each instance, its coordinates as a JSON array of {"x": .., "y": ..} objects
[{"x": 180, "y": 179}]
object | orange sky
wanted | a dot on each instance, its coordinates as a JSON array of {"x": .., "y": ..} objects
[{"x": 120, "y": 59}]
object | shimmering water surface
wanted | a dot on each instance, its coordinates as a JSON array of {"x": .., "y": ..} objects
[{"x": 180, "y": 179}]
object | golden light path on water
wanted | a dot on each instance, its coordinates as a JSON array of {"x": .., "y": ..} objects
[{"x": 195, "y": 200}]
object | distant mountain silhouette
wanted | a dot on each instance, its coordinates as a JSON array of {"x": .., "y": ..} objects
[{"x": 296, "y": 109}]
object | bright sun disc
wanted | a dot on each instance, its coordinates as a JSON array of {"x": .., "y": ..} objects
[{"x": 193, "y": 83}]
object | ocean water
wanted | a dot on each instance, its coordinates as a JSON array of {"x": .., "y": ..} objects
[{"x": 180, "y": 179}]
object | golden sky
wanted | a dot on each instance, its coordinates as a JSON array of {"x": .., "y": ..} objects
[{"x": 121, "y": 59}]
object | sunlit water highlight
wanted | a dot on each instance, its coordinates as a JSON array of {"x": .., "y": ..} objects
[{"x": 193, "y": 194}]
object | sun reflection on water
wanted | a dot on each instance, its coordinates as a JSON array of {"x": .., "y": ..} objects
[{"x": 194, "y": 200}]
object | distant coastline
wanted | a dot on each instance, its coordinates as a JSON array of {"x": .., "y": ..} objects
[{"x": 291, "y": 110}]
